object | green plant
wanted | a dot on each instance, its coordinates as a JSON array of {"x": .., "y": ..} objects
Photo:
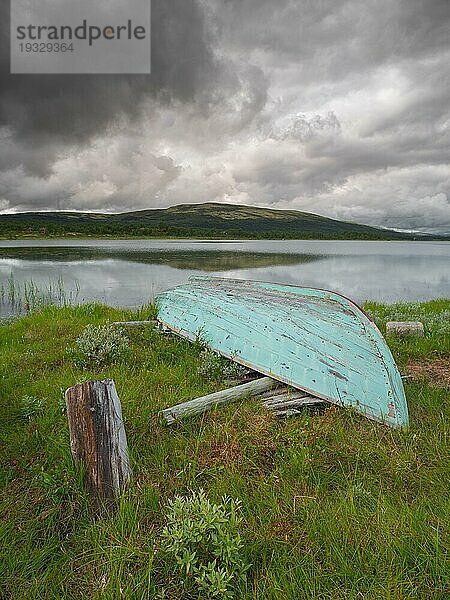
[
  {"x": 27, "y": 297},
  {"x": 202, "y": 543},
  {"x": 30, "y": 406},
  {"x": 101, "y": 345},
  {"x": 214, "y": 366}
]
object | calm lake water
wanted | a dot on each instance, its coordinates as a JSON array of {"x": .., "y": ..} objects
[{"x": 131, "y": 273}]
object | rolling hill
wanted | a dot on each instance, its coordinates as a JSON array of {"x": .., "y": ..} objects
[{"x": 210, "y": 220}]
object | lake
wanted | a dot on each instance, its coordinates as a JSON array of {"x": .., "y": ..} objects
[{"x": 131, "y": 273}]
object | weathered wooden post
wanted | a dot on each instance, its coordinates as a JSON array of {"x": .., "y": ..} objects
[{"x": 97, "y": 439}]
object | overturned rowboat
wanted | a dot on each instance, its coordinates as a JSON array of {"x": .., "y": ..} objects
[{"x": 314, "y": 340}]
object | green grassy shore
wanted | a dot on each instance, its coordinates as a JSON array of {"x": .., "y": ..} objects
[{"x": 334, "y": 506}]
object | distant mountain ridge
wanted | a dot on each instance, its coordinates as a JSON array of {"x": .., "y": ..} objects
[{"x": 210, "y": 220}]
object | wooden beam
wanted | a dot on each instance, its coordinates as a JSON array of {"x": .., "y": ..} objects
[
  {"x": 271, "y": 393},
  {"x": 298, "y": 405},
  {"x": 292, "y": 412},
  {"x": 292, "y": 403},
  {"x": 285, "y": 396},
  {"x": 97, "y": 439},
  {"x": 134, "y": 323},
  {"x": 204, "y": 403}
]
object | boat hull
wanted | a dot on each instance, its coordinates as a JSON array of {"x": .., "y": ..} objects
[{"x": 315, "y": 340}]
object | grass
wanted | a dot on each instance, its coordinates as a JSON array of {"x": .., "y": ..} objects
[
  {"x": 21, "y": 298},
  {"x": 335, "y": 506}
]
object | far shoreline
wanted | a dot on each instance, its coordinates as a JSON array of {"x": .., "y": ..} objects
[{"x": 31, "y": 238}]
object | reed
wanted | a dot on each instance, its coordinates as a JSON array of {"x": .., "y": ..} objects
[{"x": 20, "y": 298}]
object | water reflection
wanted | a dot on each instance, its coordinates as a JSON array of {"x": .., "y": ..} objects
[
  {"x": 178, "y": 259},
  {"x": 132, "y": 273}
]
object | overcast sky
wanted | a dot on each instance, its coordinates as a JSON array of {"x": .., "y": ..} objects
[{"x": 340, "y": 108}]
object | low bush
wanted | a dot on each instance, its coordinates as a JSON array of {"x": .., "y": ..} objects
[
  {"x": 30, "y": 406},
  {"x": 203, "y": 546},
  {"x": 214, "y": 366},
  {"x": 101, "y": 345}
]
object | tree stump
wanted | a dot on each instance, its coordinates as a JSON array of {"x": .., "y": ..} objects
[{"x": 97, "y": 439}]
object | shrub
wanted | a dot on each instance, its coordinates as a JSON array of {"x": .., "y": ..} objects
[
  {"x": 101, "y": 345},
  {"x": 30, "y": 406},
  {"x": 203, "y": 546},
  {"x": 214, "y": 366}
]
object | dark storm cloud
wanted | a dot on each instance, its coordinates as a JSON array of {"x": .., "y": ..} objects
[
  {"x": 52, "y": 110},
  {"x": 359, "y": 32},
  {"x": 340, "y": 107}
]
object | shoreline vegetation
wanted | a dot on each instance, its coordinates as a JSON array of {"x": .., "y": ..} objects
[
  {"x": 215, "y": 236},
  {"x": 169, "y": 233},
  {"x": 197, "y": 221},
  {"x": 331, "y": 506}
]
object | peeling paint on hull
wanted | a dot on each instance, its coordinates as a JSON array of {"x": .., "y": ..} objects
[{"x": 314, "y": 340}]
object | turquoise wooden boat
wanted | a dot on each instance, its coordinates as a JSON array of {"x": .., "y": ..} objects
[{"x": 314, "y": 340}]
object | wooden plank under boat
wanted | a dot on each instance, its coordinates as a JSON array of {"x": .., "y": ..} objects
[{"x": 315, "y": 340}]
